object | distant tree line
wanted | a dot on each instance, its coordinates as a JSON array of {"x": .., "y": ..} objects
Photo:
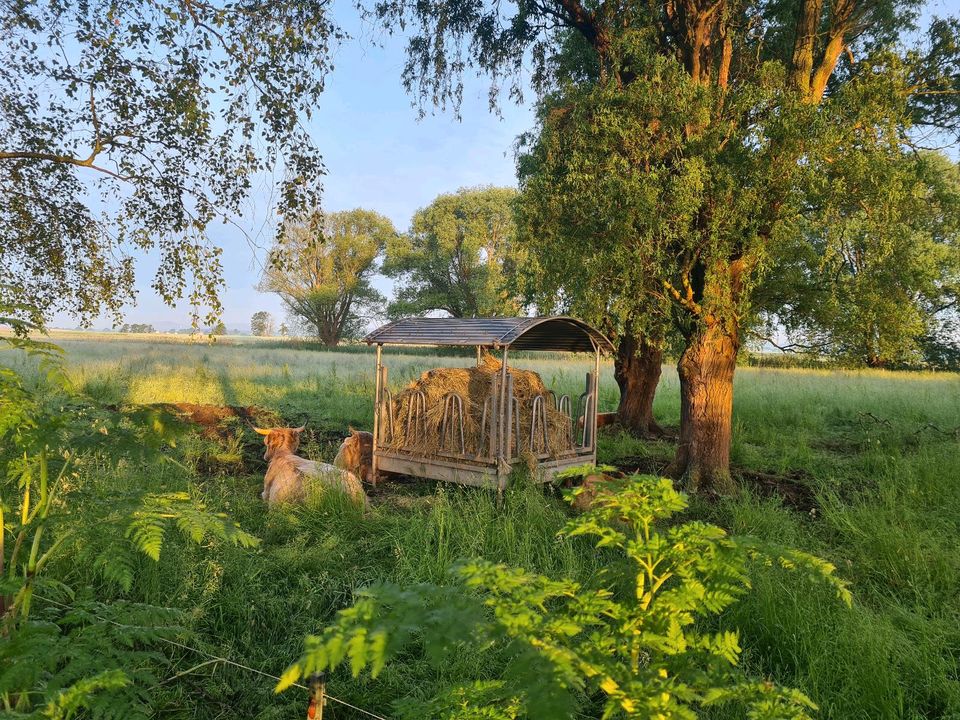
[{"x": 136, "y": 328}]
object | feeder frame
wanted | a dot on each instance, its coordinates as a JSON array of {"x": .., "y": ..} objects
[{"x": 555, "y": 333}]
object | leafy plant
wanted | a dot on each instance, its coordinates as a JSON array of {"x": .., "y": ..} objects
[
  {"x": 95, "y": 656},
  {"x": 645, "y": 641}
]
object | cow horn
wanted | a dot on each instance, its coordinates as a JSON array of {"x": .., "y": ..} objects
[
  {"x": 260, "y": 430},
  {"x": 300, "y": 429}
]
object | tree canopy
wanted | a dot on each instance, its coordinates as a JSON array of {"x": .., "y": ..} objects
[
  {"x": 874, "y": 266},
  {"x": 132, "y": 126},
  {"x": 324, "y": 277},
  {"x": 456, "y": 256},
  {"x": 261, "y": 323}
]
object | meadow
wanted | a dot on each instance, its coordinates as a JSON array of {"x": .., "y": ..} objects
[{"x": 860, "y": 467}]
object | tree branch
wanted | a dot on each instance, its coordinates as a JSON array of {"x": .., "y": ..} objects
[{"x": 64, "y": 160}]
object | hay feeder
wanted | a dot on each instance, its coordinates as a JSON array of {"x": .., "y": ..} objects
[{"x": 472, "y": 426}]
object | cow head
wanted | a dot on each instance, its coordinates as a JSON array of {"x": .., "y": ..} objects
[
  {"x": 356, "y": 455},
  {"x": 280, "y": 440}
]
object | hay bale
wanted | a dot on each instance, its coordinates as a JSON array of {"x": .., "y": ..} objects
[{"x": 474, "y": 385}]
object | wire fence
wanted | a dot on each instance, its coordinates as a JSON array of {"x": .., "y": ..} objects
[{"x": 212, "y": 659}]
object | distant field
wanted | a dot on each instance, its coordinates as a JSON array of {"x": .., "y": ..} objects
[{"x": 862, "y": 468}]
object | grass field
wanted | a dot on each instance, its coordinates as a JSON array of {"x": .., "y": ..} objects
[{"x": 869, "y": 464}]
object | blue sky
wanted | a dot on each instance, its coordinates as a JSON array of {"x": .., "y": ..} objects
[{"x": 378, "y": 156}]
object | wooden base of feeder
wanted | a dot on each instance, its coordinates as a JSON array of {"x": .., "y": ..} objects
[{"x": 479, "y": 473}]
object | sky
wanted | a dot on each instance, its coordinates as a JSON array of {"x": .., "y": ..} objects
[{"x": 378, "y": 155}]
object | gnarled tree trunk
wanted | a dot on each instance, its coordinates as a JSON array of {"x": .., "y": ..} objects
[
  {"x": 706, "y": 406},
  {"x": 636, "y": 368}
]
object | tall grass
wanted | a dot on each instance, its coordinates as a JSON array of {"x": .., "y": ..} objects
[{"x": 877, "y": 451}]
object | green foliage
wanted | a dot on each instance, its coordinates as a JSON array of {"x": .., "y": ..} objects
[
  {"x": 323, "y": 271},
  {"x": 137, "y": 328},
  {"x": 637, "y": 637},
  {"x": 97, "y": 658},
  {"x": 870, "y": 264},
  {"x": 457, "y": 257},
  {"x": 261, "y": 324},
  {"x": 153, "y": 119}
]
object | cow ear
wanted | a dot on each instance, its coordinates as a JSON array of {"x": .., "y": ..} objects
[{"x": 260, "y": 431}]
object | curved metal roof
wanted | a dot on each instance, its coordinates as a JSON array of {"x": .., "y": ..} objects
[{"x": 519, "y": 333}]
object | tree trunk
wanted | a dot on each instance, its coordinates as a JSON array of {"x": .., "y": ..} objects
[
  {"x": 706, "y": 370},
  {"x": 636, "y": 368}
]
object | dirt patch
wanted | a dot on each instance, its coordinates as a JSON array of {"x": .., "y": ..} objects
[
  {"x": 641, "y": 465},
  {"x": 216, "y": 419},
  {"x": 793, "y": 489}
]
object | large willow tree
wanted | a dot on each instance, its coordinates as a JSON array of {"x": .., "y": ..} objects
[
  {"x": 323, "y": 271},
  {"x": 686, "y": 157}
]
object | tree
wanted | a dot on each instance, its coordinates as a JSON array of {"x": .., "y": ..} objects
[
  {"x": 327, "y": 282},
  {"x": 705, "y": 118},
  {"x": 137, "y": 328},
  {"x": 580, "y": 239},
  {"x": 876, "y": 262},
  {"x": 132, "y": 126},
  {"x": 219, "y": 329},
  {"x": 284, "y": 331},
  {"x": 456, "y": 256},
  {"x": 261, "y": 324}
]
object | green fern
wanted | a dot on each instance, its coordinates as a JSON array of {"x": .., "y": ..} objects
[
  {"x": 62, "y": 657},
  {"x": 81, "y": 695}
]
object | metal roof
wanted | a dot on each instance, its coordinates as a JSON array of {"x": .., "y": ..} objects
[{"x": 519, "y": 333}]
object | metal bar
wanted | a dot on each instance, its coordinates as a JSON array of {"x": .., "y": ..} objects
[
  {"x": 483, "y": 425},
  {"x": 538, "y": 421},
  {"x": 452, "y": 409},
  {"x": 416, "y": 427},
  {"x": 596, "y": 397},
  {"x": 563, "y": 406},
  {"x": 478, "y": 355},
  {"x": 376, "y": 412},
  {"x": 508, "y": 411},
  {"x": 537, "y": 405},
  {"x": 586, "y": 405},
  {"x": 463, "y": 444},
  {"x": 581, "y": 416},
  {"x": 504, "y": 451},
  {"x": 443, "y": 420},
  {"x": 494, "y": 416},
  {"x": 515, "y": 411}
]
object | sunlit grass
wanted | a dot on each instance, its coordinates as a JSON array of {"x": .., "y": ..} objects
[{"x": 878, "y": 451}]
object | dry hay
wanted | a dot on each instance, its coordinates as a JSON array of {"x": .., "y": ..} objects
[{"x": 473, "y": 385}]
